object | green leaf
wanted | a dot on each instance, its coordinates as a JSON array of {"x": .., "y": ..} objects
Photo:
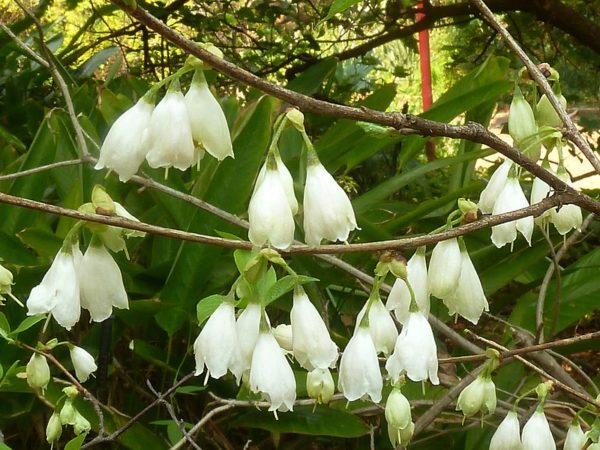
[
  {"x": 171, "y": 320},
  {"x": 89, "y": 67},
  {"x": 207, "y": 306},
  {"x": 285, "y": 285},
  {"x": 75, "y": 443},
  {"x": 339, "y": 6},
  {"x": 323, "y": 421},
  {"x": 310, "y": 81},
  {"x": 4, "y": 325},
  {"x": 27, "y": 323},
  {"x": 42, "y": 240}
]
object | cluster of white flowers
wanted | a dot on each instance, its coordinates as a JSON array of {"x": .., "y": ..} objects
[
  {"x": 531, "y": 131},
  {"x": 536, "y": 434},
  {"x": 328, "y": 213},
  {"x": 175, "y": 133}
]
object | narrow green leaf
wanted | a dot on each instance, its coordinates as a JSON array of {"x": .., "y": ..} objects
[
  {"x": 75, "y": 443},
  {"x": 285, "y": 285},
  {"x": 339, "y": 6},
  {"x": 27, "y": 323}
]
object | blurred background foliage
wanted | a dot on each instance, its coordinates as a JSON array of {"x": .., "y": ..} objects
[{"x": 365, "y": 55}]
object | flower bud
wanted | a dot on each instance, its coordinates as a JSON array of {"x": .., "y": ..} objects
[
  {"x": 319, "y": 385},
  {"x": 283, "y": 335},
  {"x": 71, "y": 391},
  {"x": 296, "y": 117},
  {"x": 575, "y": 437},
  {"x": 397, "y": 410},
  {"x": 38, "y": 371},
  {"x": 398, "y": 268},
  {"x": 467, "y": 206},
  {"x": 68, "y": 413},
  {"x": 546, "y": 114},
  {"x": 521, "y": 121},
  {"x": 401, "y": 436},
  {"x": 81, "y": 425},
  {"x": 53, "y": 429},
  {"x": 6, "y": 281},
  {"x": 83, "y": 363},
  {"x": 480, "y": 395}
]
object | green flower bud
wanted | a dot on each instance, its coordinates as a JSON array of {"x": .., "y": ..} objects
[
  {"x": 71, "y": 391},
  {"x": 521, "y": 121},
  {"x": 6, "y": 280},
  {"x": 319, "y": 385},
  {"x": 480, "y": 395},
  {"x": 397, "y": 410},
  {"x": 81, "y": 425},
  {"x": 467, "y": 206},
  {"x": 296, "y": 117},
  {"x": 38, "y": 371},
  {"x": 401, "y": 437},
  {"x": 68, "y": 413},
  {"x": 546, "y": 114},
  {"x": 53, "y": 429},
  {"x": 102, "y": 202}
]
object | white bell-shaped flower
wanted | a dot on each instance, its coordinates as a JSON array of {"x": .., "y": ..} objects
[
  {"x": 490, "y": 194},
  {"x": 419, "y": 365},
  {"x": 536, "y": 433},
  {"x": 283, "y": 334},
  {"x": 576, "y": 438},
  {"x": 510, "y": 199},
  {"x": 381, "y": 326},
  {"x": 567, "y": 217},
  {"x": 38, "y": 371},
  {"x": 444, "y": 268},
  {"x": 271, "y": 219},
  {"x": 114, "y": 237},
  {"x": 328, "y": 213},
  {"x": 359, "y": 372},
  {"x": 247, "y": 327},
  {"x": 169, "y": 133},
  {"x": 507, "y": 435},
  {"x": 399, "y": 298},
  {"x": 83, "y": 363},
  {"x": 320, "y": 385},
  {"x": 271, "y": 374},
  {"x": 58, "y": 293},
  {"x": 216, "y": 347},
  {"x": 478, "y": 396},
  {"x": 101, "y": 282},
  {"x": 126, "y": 144},
  {"x": 397, "y": 410},
  {"x": 468, "y": 300},
  {"x": 539, "y": 191},
  {"x": 311, "y": 343},
  {"x": 207, "y": 121},
  {"x": 286, "y": 181}
]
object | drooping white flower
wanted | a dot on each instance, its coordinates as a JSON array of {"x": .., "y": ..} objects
[
  {"x": 399, "y": 298},
  {"x": 479, "y": 395},
  {"x": 510, "y": 199},
  {"x": 126, "y": 144},
  {"x": 539, "y": 191},
  {"x": 522, "y": 126},
  {"x": 397, "y": 410},
  {"x": 468, "y": 300},
  {"x": 419, "y": 365},
  {"x": 311, "y": 343},
  {"x": 507, "y": 435},
  {"x": 271, "y": 219},
  {"x": 286, "y": 181},
  {"x": 576, "y": 438},
  {"x": 536, "y": 433},
  {"x": 320, "y": 385},
  {"x": 216, "y": 347},
  {"x": 208, "y": 123},
  {"x": 490, "y": 194},
  {"x": 328, "y": 213},
  {"x": 401, "y": 436},
  {"x": 83, "y": 363},
  {"x": 169, "y": 133},
  {"x": 271, "y": 374},
  {"x": 247, "y": 327},
  {"x": 58, "y": 293},
  {"x": 567, "y": 217},
  {"x": 381, "y": 326},
  {"x": 38, "y": 371},
  {"x": 101, "y": 282},
  {"x": 359, "y": 373},
  {"x": 53, "y": 428},
  {"x": 444, "y": 268}
]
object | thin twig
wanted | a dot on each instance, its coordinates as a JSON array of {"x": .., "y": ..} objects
[
  {"x": 62, "y": 85},
  {"x": 571, "y": 132},
  {"x": 114, "y": 435},
  {"x": 24, "y": 173}
]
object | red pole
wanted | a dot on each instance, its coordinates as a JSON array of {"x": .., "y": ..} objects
[
  {"x": 424, "y": 55},
  {"x": 425, "y": 62}
]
